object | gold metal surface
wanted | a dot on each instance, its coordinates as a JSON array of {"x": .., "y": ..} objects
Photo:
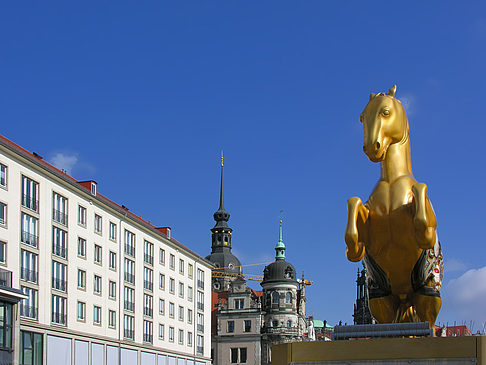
[{"x": 397, "y": 223}]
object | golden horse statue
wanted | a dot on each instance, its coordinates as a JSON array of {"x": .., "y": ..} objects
[{"x": 394, "y": 232}]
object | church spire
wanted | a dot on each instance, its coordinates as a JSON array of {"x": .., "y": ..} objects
[
  {"x": 221, "y": 196},
  {"x": 221, "y": 216},
  {"x": 280, "y": 248}
]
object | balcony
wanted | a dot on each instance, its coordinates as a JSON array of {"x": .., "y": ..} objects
[
  {"x": 29, "y": 239},
  {"x": 130, "y": 250},
  {"x": 59, "y": 318},
  {"x": 30, "y": 203},
  {"x": 28, "y": 275},
  {"x": 59, "y": 250},
  {"x": 28, "y": 311},
  {"x": 200, "y": 284},
  {"x": 5, "y": 278},
  {"x": 147, "y": 338},
  {"x": 59, "y": 284},
  {"x": 148, "y": 312},
  {"x": 148, "y": 285},
  {"x": 200, "y": 328},
  {"x": 281, "y": 330},
  {"x": 60, "y": 217},
  {"x": 149, "y": 259},
  {"x": 130, "y": 278},
  {"x": 129, "y": 334},
  {"x": 200, "y": 306},
  {"x": 129, "y": 306}
]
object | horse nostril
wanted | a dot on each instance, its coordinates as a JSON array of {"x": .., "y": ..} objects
[{"x": 377, "y": 145}]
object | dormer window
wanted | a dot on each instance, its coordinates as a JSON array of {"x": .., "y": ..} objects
[{"x": 93, "y": 188}]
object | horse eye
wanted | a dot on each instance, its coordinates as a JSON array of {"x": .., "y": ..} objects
[{"x": 386, "y": 112}]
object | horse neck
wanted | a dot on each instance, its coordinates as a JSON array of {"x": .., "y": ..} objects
[{"x": 397, "y": 161}]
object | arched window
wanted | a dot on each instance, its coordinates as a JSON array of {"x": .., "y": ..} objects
[
  {"x": 288, "y": 298},
  {"x": 275, "y": 323},
  {"x": 275, "y": 297},
  {"x": 289, "y": 323}
]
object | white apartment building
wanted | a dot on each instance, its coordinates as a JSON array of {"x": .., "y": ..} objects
[{"x": 100, "y": 285}]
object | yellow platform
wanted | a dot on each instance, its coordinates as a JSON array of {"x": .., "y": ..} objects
[{"x": 438, "y": 350}]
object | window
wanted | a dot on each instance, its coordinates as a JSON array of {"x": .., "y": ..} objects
[
  {"x": 288, "y": 298},
  {"x": 200, "y": 279},
  {"x": 161, "y": 306},
  {"x": 112, "y": 289},
  {"x": 161, "y": 331},
  {"x": 147, "y": 332},
  {"x": 6, "y": 328},
  {"x": 171, "y": 286},
  {"x": 147, "y": 305},
  {"x": 148, "y": 256},
  {"x": 230, "y": 327},
  {"x": 190, "y": 271},
  {"x": 289, "y": 323},
  {"x": 200, "y": 322},
  {"x": 275, "y": 297},
  {"x": 28, "y": 264},
  {"x": 59, "y": 242},
  {"x": 59, "y": 209},
  {"x": 148, "y": 281},
  {"x": 112, "y": 231},
  {"x": 81, "y": 279},
  {"x": 81, "y": 215},
  {"x": 29, "y": 230},
  {"x": 171, "y": 334},
  {"x": 162, "y": 281},
  {"x": 181, "y": 313},
  {"x": 112, "y": 260},
  {"x": 181, "y": 266},
  {"x": 247, "y": 325},
  {"x": 239, "y": 303},
  {"x": 98, "y": 254},
  {"x": 59, "y": 309},
  {"x": 30, "y": 194},
  {"x": 129, "y": 299},
  {"x": 81, "y": 311},
  {"x": 59, "y": 276},
  {"x": 200, "y": 344},
  {"x": 129, "y": 323},
  {"x": 162, "y": 256},
  {"x": 181, "y": 337},
  {"x": 3, "y": 252},
  {"x": 93, "y": 188},
  {"x": 200, "y": 300},
  {"x": 81, "y": 247},
  {"x": 97, "y": 284},
  {"x": 130, "y": 271},
  {"x": 129, "y": 243},
  {"x": 171, "y": 310},
  {"x": 111, "y": 319},
  {"x": 189, "y": 338},
  {"x": 3, "y": 214},
  {"x": 189, "y": 293},
  {"x": 31, "y": 348},
  {"x": 172, "y": 262},
  {"x": 3, "y": 175},
  {"x": 98, "y": 224},
  {"x": 181, "y": 289},
  {"x": 238, "y": 355},
  {"x": 28, "y": 307},
  {"x": 189, "y": 316},
  {"x": 96, "y": 315}
]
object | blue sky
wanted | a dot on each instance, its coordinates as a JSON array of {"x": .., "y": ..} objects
[{"x": 142, "y": 97}]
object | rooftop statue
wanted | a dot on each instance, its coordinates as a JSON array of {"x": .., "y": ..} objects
[{"x": 394, "y": 232}]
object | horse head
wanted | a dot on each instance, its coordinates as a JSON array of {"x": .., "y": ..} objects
[{"x": 384, "y": 123}]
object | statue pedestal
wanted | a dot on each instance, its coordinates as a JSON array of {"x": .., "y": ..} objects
[{"x": 436, "y": 350}]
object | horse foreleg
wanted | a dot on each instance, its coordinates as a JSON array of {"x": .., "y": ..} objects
[
  {"x": 427, "y": 308},
  {"x": 384, "y": 309},
  {"x": 356, "y": 229},
  {"x": 424, "y": 219}
]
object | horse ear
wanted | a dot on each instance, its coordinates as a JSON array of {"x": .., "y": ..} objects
[
  {"x": 392, "y": 91},
  {"x": 371, "y": 96}
]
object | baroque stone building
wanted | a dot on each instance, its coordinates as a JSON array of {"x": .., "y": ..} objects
[{"x": 362, "y": 314}]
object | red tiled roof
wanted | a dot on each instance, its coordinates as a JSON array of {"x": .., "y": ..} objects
[
  {"x": 216, "y": 298},
  {"x": 257, "y": 293}
]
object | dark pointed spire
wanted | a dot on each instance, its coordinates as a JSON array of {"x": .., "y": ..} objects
[
  {"x": 221, "y": 196},
  {"x": 221, "y": 216}
]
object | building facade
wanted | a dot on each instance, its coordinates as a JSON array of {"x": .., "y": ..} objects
[
  {"x": 362, "y": 314},
  {"x": 99, "y": 284}
]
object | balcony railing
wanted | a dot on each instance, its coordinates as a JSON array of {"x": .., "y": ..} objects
[
  {"x": 200, "y": 349},
  {"x": 200, "y": 328},
  {"x": 278, "y": 330},
  {"x": 149, "y": 259},
  {"x": 59, "y": 318},
  {"x": 5, "y": 278},
  {"x": 129, "y": 334},
  {"x": 129, "y": 306},
  {"x": 30, "y": 203},
  {"x": 147, "y": 338},
  {"x": 148, "y": 285},
  {"x": 148, "y": 311},
  {"x": 28, "y": 311},
  {"x": 59, "y": 250},
  {"x": 130, "y": 250},
  {"x": 29, "y": 238},
  {"x": 130, "y": 278},
  {"x": 200, "y": 284},
  {"x": 200, "y": 306},
  {"x": 60, "y": 217},
  {"x": 28, "y": 275},
  {"x": 59, "y": 284}
]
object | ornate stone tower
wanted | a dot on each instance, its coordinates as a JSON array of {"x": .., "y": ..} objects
[
  {"x": 280, "y": 303},
  {"x": 362, "y": 314},
  {"x": 226, "y": 263}
]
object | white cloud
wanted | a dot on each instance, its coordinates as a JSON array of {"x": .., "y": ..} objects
[
  {"x": 65, "y": 161},
  {"x": 466, "y": 295},
  {"x": 409, "y": 103}
]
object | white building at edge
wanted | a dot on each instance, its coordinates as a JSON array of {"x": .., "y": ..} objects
[{"x": 97, "y": 285}]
